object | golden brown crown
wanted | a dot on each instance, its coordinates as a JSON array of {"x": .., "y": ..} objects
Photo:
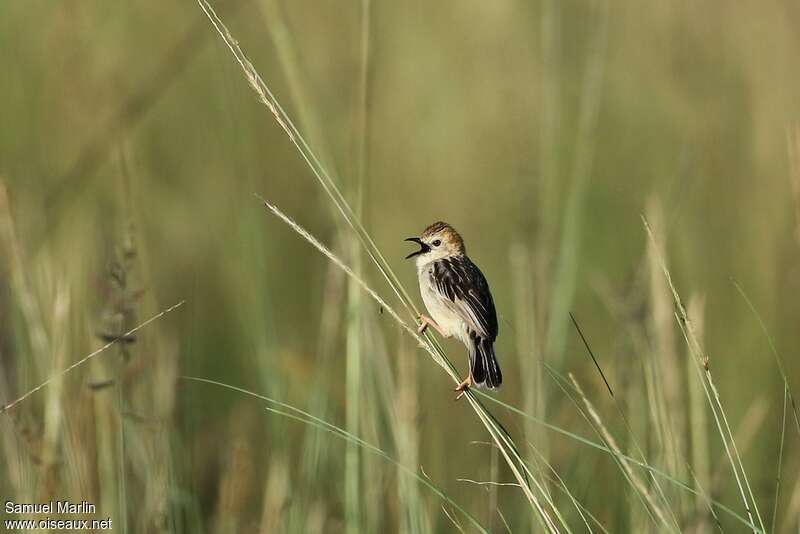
[{"x": 447, "y": 234}]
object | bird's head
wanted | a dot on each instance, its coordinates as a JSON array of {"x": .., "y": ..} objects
[{"x": 437, "y": 241}]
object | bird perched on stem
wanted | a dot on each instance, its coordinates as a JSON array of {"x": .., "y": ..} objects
[{"x": 458, "y": 299}]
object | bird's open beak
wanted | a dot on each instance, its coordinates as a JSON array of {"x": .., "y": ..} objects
[{"x": 423, "y": 247}]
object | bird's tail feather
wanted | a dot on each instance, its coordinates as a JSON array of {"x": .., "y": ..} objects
[{"x": 483, "y": 364}]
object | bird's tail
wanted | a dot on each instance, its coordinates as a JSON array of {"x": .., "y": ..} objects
[{"x": 483, "y": 364}]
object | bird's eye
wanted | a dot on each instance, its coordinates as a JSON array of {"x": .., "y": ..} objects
[{"x": 437, "y": 242}]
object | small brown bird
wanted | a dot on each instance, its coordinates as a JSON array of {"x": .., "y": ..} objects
[{"x": 457, "y": 296}]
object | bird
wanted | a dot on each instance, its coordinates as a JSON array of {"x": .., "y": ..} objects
[{"x": 458, "y": 299}]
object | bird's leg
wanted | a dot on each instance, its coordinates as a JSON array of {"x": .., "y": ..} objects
[
  {"x": 427, "y": 321},
  {"x": 464, "y": 386}
]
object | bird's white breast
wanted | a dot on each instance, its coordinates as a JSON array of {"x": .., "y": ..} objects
[{"x": 448, "y": 320}]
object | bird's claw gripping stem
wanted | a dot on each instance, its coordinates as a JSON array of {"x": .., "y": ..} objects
[
  {"x": 425, "y": 322},
  {"x": 464, "y": 386}
]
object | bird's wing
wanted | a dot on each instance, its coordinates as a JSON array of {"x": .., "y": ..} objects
[{"x": 467, "y": 292}]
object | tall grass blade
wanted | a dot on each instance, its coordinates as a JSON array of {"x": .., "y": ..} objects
[
  {"x": 774, "y": 350},
  {"x": 700, "y": 461},
  {"x": 712, "y": 395},
  {"x": 355, "y": 321}
]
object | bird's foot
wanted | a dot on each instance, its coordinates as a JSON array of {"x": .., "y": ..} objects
[
  {"x": 425, "y": 322},
  {"x": 464, "y": 386}
]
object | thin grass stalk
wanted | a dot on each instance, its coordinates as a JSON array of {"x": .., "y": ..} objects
[
  {"x": 548, "y": 161},
  {"x": 654, "y": 396},
  {"x": 355, "y": 323},
  {"x": 537, "y": 468},
  {"x": 505, "y": 523},
  {"x": 712, "y": 395},
  {"x": 119, "y": 368},
  {"x": 636, "y": 395},
  {"x": 793, "y": 139},
  {"x": 549, "y": 29},
  {"x": 122, "y": 483},
  {"x": 534, "y": 395},
  {"x": 531, "y": 374},
  {"x": 665, "y": 362},
  {"x": 106, "y": 447},
  {"x": 453, "y": 520},
  {"x": 235, "y": 481},
  {"x": 353, "y": 389},
  {"x": 735, "y": 447},
  {"x": 78, "y": 454},
  {"x": 362, "y": 106},
  {"x": 16, "y": 466},
  {"x": 276, "y": 495},
  {"x": 774, "y": 350},
  {"x": 382, "y": 390},
  {"x": 251, "y": 250},
  {"x": 492, "y": 489},
  {"x": 700, "y": 463},
  {"x": 314, "y": 447},
  {"x": 559, "y": 483},
  {"x": 412, "y": 518},
  {"x": 378, "y": 422},
  {"x": 28, "y": 302},
  {"x": 54, "y": 401},
  {"x": 746, "y": 433},
  {"x": 791, "y": 522},
  {"x": 708, "y": 502},
  {"x": 778, "y": 475},
  {"x": 631, "y": 475}
]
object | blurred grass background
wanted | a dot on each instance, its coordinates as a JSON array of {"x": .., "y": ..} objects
[{"x": 130, "y": 143}]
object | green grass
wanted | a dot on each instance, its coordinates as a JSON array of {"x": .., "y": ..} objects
[{"x": 542, "y": 131}]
